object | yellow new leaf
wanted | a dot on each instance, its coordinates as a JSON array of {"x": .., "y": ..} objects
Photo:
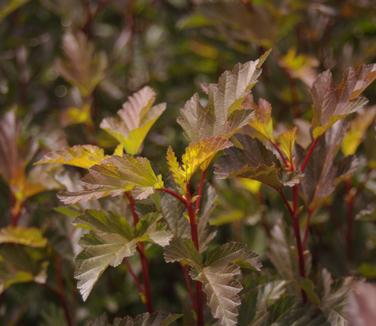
[
  {"x": 175, "y": 169},
  {"x": 262, "y": 122},
  {"x": 358, "y": 128},
  {"x": 197, "y": 156},
  {"x": 286, "y": 142},
  {"x": 31, "y": 237},
  {"x": 251, "y": 185},
  {"x": 83, "y": 156}
]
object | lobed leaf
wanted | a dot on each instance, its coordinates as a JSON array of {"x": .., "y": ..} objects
[
  {"x": 323, "y": 170},
  {"x": 225, "y": 112},
  {"x": 134, "y": 120},
  {"x": 222, "y": 289},
  {"x": 116, "y": 175},
  {"x": 83, "y": 156},
  {"x": 109, "y": 241},
  {"x": 197, "y": 156},
  {"x": 233, "y": 253},
  {"x": 332, "y": 103},
  {"x": 254, "y": 161},
  {"x": 183, "y": 251}
]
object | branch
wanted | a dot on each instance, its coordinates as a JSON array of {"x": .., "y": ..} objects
[
  {"x": 200, "y": 190},
  {"x": 174, "y": 194},
  {"x": 143, "y": 258},
  {"x": 306, "y": 230},
  {"x": 308, "y": 155},
  {"x": 134, "y": 276}
]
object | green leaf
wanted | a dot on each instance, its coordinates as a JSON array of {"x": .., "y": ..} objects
[
  {"x": 20, "y": 264},
  {"x": 332, "y": 103},
  {"x": 183, "y": 251},
  {"x": 134, "y": 120},
  {"x": 308, "y": 288},
  {"x": 233, "y": 253},
  {"x": 225, "y": 112},
  {"x": 197, "y": 156},
  {"x": 68, "y": 211},
  {"x": 83, "y": 156},
  {"x": 30, "y": 236},
  {"x": 114, "y": 176},
  {"x": 110, "y": 240}
]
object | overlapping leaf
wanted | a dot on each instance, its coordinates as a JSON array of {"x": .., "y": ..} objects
[
  {"x": 197, "y": 156},
  {"x": 324, "y": 169},
  {"x": 83, "y": 156},
  {"x": 134, "y": 120},
  {"x": 254, "y": 161},
  {"x": 332, "y": 103},
  {"x": 261, "y": 127},
  {"x": 116, "y": 175},
  {"x": 225, "y": 112},
  {"x": 219, "y": 273},
  {"x": 110, "y": 240}
]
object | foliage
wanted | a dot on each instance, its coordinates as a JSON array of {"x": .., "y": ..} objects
[{"x": 126, "y": 200}]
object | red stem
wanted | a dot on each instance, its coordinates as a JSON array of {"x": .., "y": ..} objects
[
  {"x": 134, "y": 276},
  {"x": 187, "y": 201},
  {"x": 285, "y": 162},
  {"x": 200, "y": 190},
  {"x": 174, "y": 194},
  {"x": 143, "y": 258},
  {"x": 195, "y": 239},
  {"x": 295, "y": 220},
  {"x": 308, "y": 155},
  {"x": 306, "y": 230}
]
